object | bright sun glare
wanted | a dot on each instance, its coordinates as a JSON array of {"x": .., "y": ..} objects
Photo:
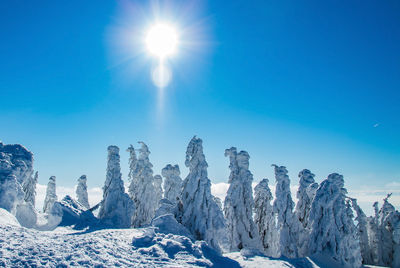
[{"x": 162, "y": 40}]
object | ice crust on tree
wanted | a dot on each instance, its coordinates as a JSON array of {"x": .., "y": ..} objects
[
  {"x": 158, "y": 191},
  {"x": 142, "y": 189},
  {"x": 117, "y": 208},
  {"x": 239, "y": 204},
  {"x": 288, "y": 225},
  {"x": 172, "y": 182},
  {"x": 201, "y": 214},
  {"x": 305, "y": 195},
  {"x": 29, "y": 188},
  {"x": 51, "y": 195},
  {"x": 265, "y": 219},
  {"x": 331, "y": 218},
  {"x": 81, "y": 192}
]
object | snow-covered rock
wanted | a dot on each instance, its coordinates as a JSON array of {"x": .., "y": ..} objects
[
  {"x": 142, "y": 189},
  {"x": 81, "y": 192},
  {"x": 239, "y": 204},
  {"x": 172, "y": 182},
  {"x": 117, "y": 208},
  {"x": 51, "y": 195},
  {"x": 265, "y": 219},
  {"x": 333, "y": 230},
  {"x": 200, "y": 213}
]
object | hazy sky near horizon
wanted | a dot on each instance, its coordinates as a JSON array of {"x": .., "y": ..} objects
[{"x": 307, "y": 85}]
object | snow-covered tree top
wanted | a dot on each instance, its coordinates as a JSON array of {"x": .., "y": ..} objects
[
  {"x": 240, "y": 159},
  {"x": 306, "y": 178},
  {"x": 17, "y": 151},
  {"x": 170, "y": 171},
  {"x": 143, "y": 151},
  {"x": 194, "y": 154},
  {"x": 262, "y": 190}
]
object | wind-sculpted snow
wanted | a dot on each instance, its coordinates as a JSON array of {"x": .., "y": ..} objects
[
  {"x": 239, "y": 204},
  {"x": 11, "y": 193},
  {"x": 333, "y": 230},
  {"x": 51, "y": 195},
  {"x": 81, "y": 192},
  {"x": 144, "y": 190},
  {"x": 172, "y": 182},
  {"x": 200, "y": 213},
  {"x": 116, "y": 208},
  {"x": 288, "y": 224},
  {"x": 265, "y": 219}
]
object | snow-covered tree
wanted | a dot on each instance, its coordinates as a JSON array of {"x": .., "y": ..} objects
[
  {"x": 362, "y": 228},
  {"x": 81, "y": 192},
  {"x": 117, "y": 208},
  {"x": 158, "y": 191},
  {"x": 29, "y": 188},
  {"x": 333, "y": 231},
  {"x": 389, "y": 219},
  {"x": 305, "y": 195},
  {"x": 51, "y": 195},
  {"x": 142, "y": 189},
  {"x": 374, "y": 236},
  {"x": 265, "y": 219},
  {"x": 201, "y": 214},
  {"x": 288, "y": 225},
  {"x": 172, "y": 182},
  {"x": 238, "y": 205}
]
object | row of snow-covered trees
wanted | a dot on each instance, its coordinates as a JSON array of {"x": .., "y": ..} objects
[{"x": 322, "y": 221}]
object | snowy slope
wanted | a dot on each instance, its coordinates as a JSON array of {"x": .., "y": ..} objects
[{"x": 65, "y": 247}]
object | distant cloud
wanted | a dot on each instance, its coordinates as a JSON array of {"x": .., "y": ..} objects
[{"x": 376, "y": 125}]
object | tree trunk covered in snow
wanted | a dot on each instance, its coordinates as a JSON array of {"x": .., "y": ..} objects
[
  {"x": 305, "y": 195},
  {"x": 172, "y": 183},
  {"x": 238, "y": 205},
  {"x": 51, "y": 195},
  {"x": 81, "y": 192},
  {"x": 333, "y": 230},
  {"x": 117, "y": 208},
  {"x": 265, "y": 219},
  {"x": 201, "y": 214}
]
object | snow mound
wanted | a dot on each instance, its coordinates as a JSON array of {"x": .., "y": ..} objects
[
  {"x": 72, "y": 212},
  {"x": 6, "y": 218},
  {"x": 167, "y": 224},
  {"x": 26, "y": 215},
  {"x": 170, "y": 246}
]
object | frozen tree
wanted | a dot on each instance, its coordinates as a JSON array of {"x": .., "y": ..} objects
[
  {"x": 374, "y": 236},
  {"x": 172, "y": 182},
  {"x": 117, "y": 208},
  {"x": 265, "y": 219},
  {"x": 333, "y": 230},
  {"x": 362, "y": 228},
  {"x": 29, "y": 188},
  {"x": 158, "y": 191},
  {"x": 238, "y": 205},
  {"x": 81, "y": 192},
  {"x": 51, "y": 196},
  {"x": 305, "y": 195},
  {"x": 142, "y": 189},
  {"x": 288, "y": 225},
  {"x": 389, "y": 220},
  {"x": 201, "y": 214}
]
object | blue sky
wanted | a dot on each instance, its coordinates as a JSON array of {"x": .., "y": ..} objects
[{"x": 310, "y": 84}]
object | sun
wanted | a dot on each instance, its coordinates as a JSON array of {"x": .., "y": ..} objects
[{"x": 162, "y": 40}]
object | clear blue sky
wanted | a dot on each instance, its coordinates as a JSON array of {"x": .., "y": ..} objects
[{"x": 306, "y": 84}]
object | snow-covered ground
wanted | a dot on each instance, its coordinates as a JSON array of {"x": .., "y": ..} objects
[{"x": 65, "y": 247}]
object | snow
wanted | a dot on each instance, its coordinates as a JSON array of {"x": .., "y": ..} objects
[
  {"x": 6, "y": 218},
  {"x": 172, "y": 182}
]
